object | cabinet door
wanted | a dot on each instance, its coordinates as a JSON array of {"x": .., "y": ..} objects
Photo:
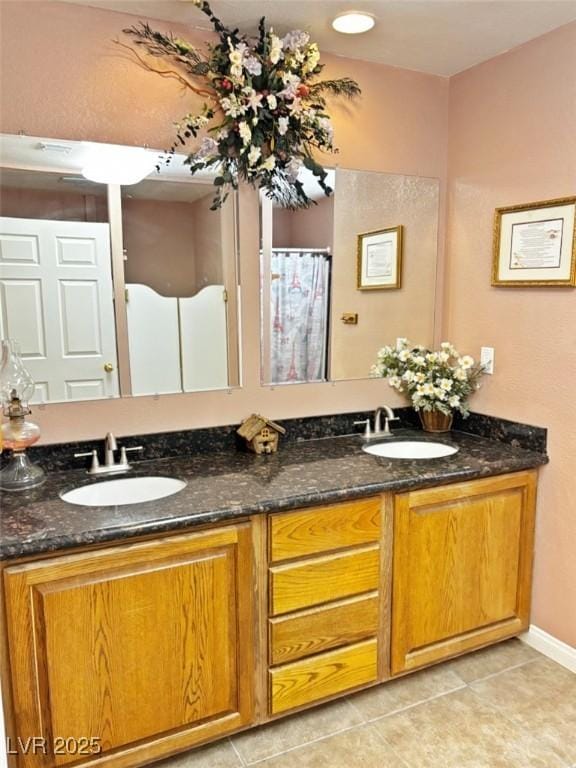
[
  {"x": 146, "y": 648},
  {"x": 462, "y": 567}
]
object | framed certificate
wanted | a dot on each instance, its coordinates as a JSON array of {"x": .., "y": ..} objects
[
  {"x": 535, "y": 244},
  {"x": 380, "y": 259}
]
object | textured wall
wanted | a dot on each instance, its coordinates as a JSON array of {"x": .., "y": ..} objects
[{"x": 513, "y": 140}]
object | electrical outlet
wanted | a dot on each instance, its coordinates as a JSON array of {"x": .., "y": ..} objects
[{"x": 487, "y": 359}]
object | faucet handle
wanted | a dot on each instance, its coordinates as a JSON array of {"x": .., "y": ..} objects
[
  {"x": 95, "y": 465},
  {"x": 367, "y": 430},
  {"x": 387, "y": 421}
]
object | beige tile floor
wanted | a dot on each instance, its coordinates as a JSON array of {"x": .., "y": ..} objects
[{"x": 504, "y": 707}]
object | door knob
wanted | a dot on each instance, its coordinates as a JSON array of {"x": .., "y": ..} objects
[{"x": 108, "y": 367}]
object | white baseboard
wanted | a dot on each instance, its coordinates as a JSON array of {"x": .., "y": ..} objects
[{"x": 555, "y": 649}]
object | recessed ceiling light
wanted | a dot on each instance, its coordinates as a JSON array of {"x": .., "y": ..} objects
[{"x": 353, "y": 22}]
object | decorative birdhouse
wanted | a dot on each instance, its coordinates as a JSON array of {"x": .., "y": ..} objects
[{"x": 261, "y": 435}]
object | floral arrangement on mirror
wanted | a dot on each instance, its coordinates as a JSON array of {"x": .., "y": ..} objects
[
  {"x": 437, "y": 383},
  {"x": 265, "y": 110}
]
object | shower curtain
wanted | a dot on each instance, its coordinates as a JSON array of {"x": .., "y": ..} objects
[{"x": 299, "y": 297}]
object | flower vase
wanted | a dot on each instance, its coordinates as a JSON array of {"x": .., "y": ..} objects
[{"x": 435, "y": 421}]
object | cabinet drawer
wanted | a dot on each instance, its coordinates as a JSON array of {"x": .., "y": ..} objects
[
  {"x": 348, "y": 621},
  {"x": 320, "y": 580},
  {"x": 326, "y": 674},
  {"x": 314, "y": 531}
]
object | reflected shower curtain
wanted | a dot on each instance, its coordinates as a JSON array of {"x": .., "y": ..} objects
[{"x": 300, "y": 284}]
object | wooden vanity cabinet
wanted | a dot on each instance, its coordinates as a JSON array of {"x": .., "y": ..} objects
[
  {"x": 462, "y": 567},
  {"x": 146, "y": 648},
  {"x": 150, "y": 648}
]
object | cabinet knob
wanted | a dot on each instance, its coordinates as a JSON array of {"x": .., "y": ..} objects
[{"x": 108, "y": 367}]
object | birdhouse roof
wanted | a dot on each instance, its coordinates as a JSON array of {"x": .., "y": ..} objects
[{"x": 254, "y": 424}]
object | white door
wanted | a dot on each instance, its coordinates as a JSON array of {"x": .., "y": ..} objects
[
  {"x": 56, "y": 300},
  {"x": 203, "y": 340},
  {"x": 154, "y": 341}
]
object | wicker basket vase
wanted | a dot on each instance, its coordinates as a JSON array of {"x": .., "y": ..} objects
[{"x": 435, "y": 421}]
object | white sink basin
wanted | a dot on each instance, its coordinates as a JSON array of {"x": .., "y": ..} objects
[
  {"x": 410, "y": 449},
  {"x": 127, "y": 490}
]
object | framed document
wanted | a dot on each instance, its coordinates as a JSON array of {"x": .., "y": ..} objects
[
  {"x": 380, "y": 259},
  {"x": 535, "y": 244}
]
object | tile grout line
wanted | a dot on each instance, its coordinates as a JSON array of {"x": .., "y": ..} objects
[
  {"x": 416, "y": 704},
  {"x": 307, "y": 743},
  {"x": 237, "y": 753},
  {"x": 503, "y": 671}
]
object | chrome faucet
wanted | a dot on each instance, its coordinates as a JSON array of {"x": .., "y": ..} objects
[
  {"x": 378, "y": 431},
  {"x": 110, "y": 465}
]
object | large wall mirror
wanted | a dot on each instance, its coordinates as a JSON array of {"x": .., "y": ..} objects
[
  {"x": 348, "y": 275},
  {"x": 115, "y": 289}
]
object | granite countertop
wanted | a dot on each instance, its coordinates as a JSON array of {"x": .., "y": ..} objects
[{"x": 227, "y": 485}]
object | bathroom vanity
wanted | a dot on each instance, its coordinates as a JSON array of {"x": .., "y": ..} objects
[{"x": 269, "y": 584}]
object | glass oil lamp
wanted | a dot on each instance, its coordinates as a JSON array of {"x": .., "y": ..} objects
[{"x": 16, "y": 388}]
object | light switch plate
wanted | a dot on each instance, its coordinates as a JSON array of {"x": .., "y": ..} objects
[{"x": 487, "y": 359}]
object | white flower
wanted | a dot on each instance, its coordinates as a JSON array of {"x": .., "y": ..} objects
[
  {"x": 283, "y": 125},
  {"x": 275, "y": 48},
  {"x": 447, "y": 347},
  {"x": 231, "y": 106},
  {"x": 404, "y": 355},
  {"x": 253, "y": 99},
  {"x": 296, "y": 106},
  {"x": 272, "y": 103},
  {"x": 245, "y": 132},
  {"x": 409, "y": 375},
  {"x": 295, "y": 39},
  {"x": 254, "y": 155},
  {"x": 253, "y": 66},
  {"x": 460, "y": 374},
  {"x": 432, "y": 357},
  {"x": 425, "y": 389},
  {"x": 443, "y": 357},
  {"x": 419, "y": 377},
  {"x": 396, "y": 382},
  {"x": 466, "y": 362},
  {"x": 291, "y": 83},
  {"x": 454, "y": 401},
  {"x": 439, "y": 393},
  {"x": 269, "y": 164},
  {"x": 419, "y": 360},
  {"x": 445, "y": 384}
]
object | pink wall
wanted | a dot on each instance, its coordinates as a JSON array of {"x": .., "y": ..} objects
[
  {"x": 513, "y": 140},
  {"x": 309, "y": 228},
  {"x": 159, "y": 245}
]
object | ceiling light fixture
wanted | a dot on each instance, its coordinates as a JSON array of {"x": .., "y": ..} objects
[
  {"x": 108, "y": 164},
  {"x": 353, "y": 22}
]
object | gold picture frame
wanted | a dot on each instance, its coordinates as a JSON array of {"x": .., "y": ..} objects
[
  {"x": 534, "y": 244},
  {"x": 379, "y": 259}
]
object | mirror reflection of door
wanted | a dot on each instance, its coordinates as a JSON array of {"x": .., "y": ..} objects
[
  {"x": 296, "y": 270},
  {"x": 56, "y": 294},
  {"x": 180, "y": 279},
  {"x": 114, "y": 289}
]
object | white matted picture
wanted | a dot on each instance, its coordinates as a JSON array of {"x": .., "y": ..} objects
[
  {"x": 535, "y": 244},
  {"x": 380, "y": 259}
]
